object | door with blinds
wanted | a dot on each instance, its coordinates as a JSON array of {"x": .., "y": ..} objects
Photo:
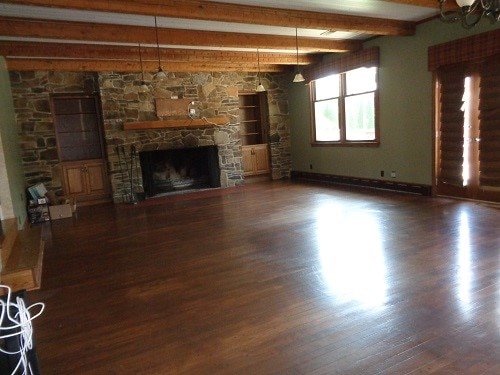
[{"x": 468, "y": 131}]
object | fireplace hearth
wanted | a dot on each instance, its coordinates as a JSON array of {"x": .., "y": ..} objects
[{"x": 176, "y": 170}]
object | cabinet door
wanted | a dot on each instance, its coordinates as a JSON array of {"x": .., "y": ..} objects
[
  {"x": 255, "y": 159},
  {"x": 86, "y": 180},
  {"x": 74, "y": 179},
  {"x": 248, "y": 160},
  {"x": 261, "y": 158},
  {"x": 96, "y": 177}
]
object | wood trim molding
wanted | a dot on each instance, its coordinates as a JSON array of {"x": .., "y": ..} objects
[
  {"x": 181, "y": 123},
  {"x": 405, "y": 187}
]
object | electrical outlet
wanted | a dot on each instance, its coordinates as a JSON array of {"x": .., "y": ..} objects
[
  {"x": 382, "y": 173},
  {"x": 393, "y": 174},
  {"x": 310, "y": 166}
]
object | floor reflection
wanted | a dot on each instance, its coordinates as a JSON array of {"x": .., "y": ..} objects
[
  {"x": 464, "y": 274},
  {"x": 352, "y": 257}
]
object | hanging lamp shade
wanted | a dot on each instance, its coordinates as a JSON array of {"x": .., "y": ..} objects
[
  {"x": 260, "y": 87},
  {"x": 160, "y": 74},
  {"x": 298, "y": 77},
  {"x": 143, "y": 88}
]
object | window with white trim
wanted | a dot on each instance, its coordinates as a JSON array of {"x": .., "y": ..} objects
[{"x": 344, "y": 108}]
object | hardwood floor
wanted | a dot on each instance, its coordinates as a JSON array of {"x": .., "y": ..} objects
[{"x": 273, "y": 278}]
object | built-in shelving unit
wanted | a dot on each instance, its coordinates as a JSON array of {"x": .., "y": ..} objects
[
  {"x": 251, "y": 131},
  {"x": 254, "y": 133},
  {"x": 80, "y": 142}
]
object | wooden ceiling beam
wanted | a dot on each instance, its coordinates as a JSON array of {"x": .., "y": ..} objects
[
  {"x": 214, "y": 11},
  {"x": 75, "y": 65},
  {"x": 149, "y": 54},
  {"x": 20, "y": 27},
  {"x": 450, "y": 5},
  {"x": 420, "y": 3}
]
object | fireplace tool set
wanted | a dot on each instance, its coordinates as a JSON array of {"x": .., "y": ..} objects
[{"x": 129, "y": 170}]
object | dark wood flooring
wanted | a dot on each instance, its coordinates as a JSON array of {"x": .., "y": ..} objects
[{"x": 273, "y": 278}]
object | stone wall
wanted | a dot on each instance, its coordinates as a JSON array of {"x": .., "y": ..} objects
[
  {"x": 214, "y": 94},
  {"x": 279, "y": 126},
  {"x": 31, "y": 92}
]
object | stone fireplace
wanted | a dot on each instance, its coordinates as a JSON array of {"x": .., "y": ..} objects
[
  {"x": 175, "y": 170},
  {"x": 128, "y": 152},
  {"x": 216, "y": 93},
  {"x": 216, "y": 96}
]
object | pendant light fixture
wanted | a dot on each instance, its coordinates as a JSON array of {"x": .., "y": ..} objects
[
  {"x": 471, "y": 12},
  {"x": 298, "y": 76},
  {"x": 143, "y": 87},
  {"x": 160, "y": 74},
  {"x": 260, "y": 87}
]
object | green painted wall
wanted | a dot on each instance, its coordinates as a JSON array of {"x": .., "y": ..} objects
[
  {"x": 12, "y": 183},
  {"x": 406, "y": 111}
]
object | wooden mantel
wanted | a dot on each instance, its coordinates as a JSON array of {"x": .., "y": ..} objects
[{"x": 180, "y": 123}]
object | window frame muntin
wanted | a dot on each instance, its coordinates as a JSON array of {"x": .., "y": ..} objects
[{"x": 343, "y": 141}]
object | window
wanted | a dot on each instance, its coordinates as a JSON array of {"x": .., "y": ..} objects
[{"x": 344, "y": 108}]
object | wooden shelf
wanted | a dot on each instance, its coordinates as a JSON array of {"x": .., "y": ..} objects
[{"x": 181, "y": 123}]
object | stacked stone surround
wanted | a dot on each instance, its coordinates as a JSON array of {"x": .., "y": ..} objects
[
  {"x": 215, "y": 94},
  {"x": 123, "y": 148}
]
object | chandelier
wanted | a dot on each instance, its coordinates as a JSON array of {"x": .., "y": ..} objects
[{"x": 471, "y": 12}]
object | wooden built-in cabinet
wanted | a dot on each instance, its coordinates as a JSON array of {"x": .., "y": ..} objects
[
  {"x": 86, "y": 180},
  {"x": 80, "y": 145},
  {"x": 254, "y": 133},
  {"x": 255, "y": 159}
]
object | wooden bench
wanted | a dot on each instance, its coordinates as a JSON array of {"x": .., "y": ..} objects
[{"x": 22, "y": 256}]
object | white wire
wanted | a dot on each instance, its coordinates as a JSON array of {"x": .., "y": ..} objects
[{"x": 20, "y": 325}]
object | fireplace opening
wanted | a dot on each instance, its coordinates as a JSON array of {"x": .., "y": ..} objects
[{"x": 165, "y": 171}]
